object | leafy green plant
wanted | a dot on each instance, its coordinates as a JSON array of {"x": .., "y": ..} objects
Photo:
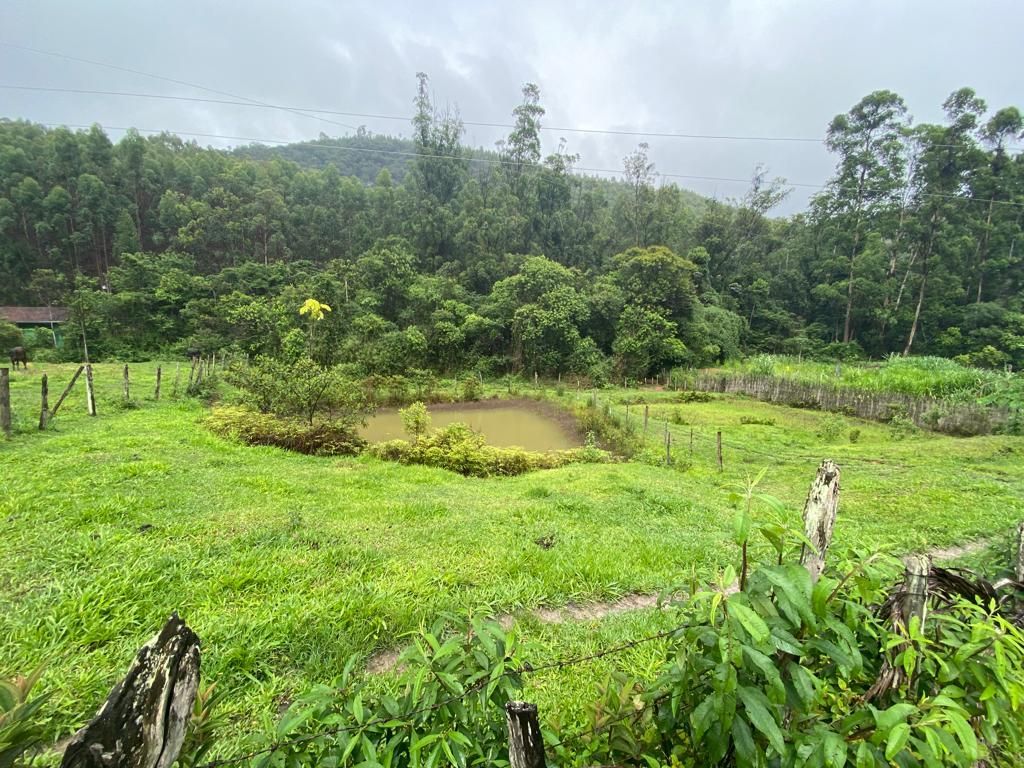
[
  {"x": 831, "y": 426},
  {"x": 447, "y": 708},
  {"x": 472, "y": 388},
  {"x": 324, "y": 438},
  {"x": 854, "y": 435},
  {"x": 458, "y": 448},
  {"x": 901, "y": 427},
  {"x": 20, "y": 730},
  {"x": 764, "y": 421},
  {"x": 415, "y": 420}
]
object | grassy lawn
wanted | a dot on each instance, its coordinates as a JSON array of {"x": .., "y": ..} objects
[{"x": 286, "y": 565}]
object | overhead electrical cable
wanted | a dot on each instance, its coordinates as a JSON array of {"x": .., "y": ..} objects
[{"x": 198, "y": 86}]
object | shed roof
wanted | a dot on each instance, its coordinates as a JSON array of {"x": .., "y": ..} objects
[{"x": 38, "y": 315}]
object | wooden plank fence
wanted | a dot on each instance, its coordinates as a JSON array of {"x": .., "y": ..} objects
[{"x": 923, "y": 411}]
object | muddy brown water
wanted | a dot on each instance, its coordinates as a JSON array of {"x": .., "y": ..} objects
[{"x": 503, "y": 423}]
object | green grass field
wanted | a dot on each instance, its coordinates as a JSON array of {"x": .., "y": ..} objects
[{"x": 285, "y": 564}]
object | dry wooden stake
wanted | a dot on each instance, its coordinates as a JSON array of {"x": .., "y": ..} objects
[
  {"x": 647, "y": 415},
  {"x": 691, "y": 441},
  {"x": 5, "y": 401},
  {"x": 67, "y": 391},
  {"x": 44, "y": 410},
  {"x": 156, "y": 392},
  {"x": 90, "y": 391},
  {"x": 127, "y": 395},
  {"x": 820, "y": 511},
  {"x": 718, "y": 449},
  {"x": 525, "y": 742}
]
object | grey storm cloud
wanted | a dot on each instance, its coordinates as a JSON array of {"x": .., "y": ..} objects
[{"x": 762, "y": 69}]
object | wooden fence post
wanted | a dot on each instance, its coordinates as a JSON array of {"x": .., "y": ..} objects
[
  {"x": 647, "y": 415},
  {"x": 191, "y": 373},
  {"x": 914, "y": 600},
  {"x": 177, "y": 375},
  {"x": 156, "y": 392},
  {"x": 143, "y": 721},
  {"x": 127, "y": 396},
  {"x": 1020, "y": 544},
  {"x": 525, "y": 742},
  {"x": 90, "y": 392},
  {"x": 668, "y": 446},
  {"x": 44, "y": 407},
  {"x": 5, "y": 401},
  {"x": 718, "y": 449},
  {"x": 820, "y": 517},
  {"x": 535, "y": 380},
  {"x": 67, "y": 390}
]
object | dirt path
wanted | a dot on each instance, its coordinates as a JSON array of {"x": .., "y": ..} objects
[{"x": 383, "y": 661}]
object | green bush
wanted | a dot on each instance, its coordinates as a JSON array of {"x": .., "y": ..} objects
[
  {"x": 901, "y": 427},
  {"x": 760, "y": 420},
  {"x": 324, "y": 438},
  {"x": 694, "y": 396},
  {"x": 854, "y": 435},
  {"x": 415, "y": 420},
  {"x": 471, "y": 389},
  {"x": 831, "y": 426},
  {"x": 611, "y": 431},
  {"x": 10, "y": 336},
  {"x": 459, "y": 449}
]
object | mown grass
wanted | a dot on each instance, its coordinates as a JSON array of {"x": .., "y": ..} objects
[{"x": 287, "y": 564}]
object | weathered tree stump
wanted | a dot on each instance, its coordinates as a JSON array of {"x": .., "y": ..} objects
[
  {"x": 525, "y": 743},
  {"x": 820, "y": 517},
  {"x": 142, "y": 723}
]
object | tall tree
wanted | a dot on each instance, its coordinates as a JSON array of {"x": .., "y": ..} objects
[{"x": 869, "y": 175}]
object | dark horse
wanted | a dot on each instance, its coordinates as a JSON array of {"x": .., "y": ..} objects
[{"x": 19, "y": 355}]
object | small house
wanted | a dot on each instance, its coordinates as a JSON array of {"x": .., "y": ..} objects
[{"x": 28, "y": 318}]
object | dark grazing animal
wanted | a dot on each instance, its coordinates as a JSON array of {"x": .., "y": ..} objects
[
  {"x": 19, "y": 355},
  {"x": 193, "y": 354}
]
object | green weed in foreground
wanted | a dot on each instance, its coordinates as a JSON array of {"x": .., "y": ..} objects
[{"x": 287, "y": 564}]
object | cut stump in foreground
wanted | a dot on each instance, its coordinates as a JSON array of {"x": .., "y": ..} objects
[
  {"x": 142, "y": 723},
  {"x": 820, "y": 517}
]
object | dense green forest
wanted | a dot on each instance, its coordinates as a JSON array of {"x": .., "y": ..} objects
[{"x": 433, "y": 255}]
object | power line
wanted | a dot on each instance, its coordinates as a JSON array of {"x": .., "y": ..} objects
[
  {"x": 485, "y": 160},
  {"x": 406, "y": 118},
  {"x": 245, "y": 100}
]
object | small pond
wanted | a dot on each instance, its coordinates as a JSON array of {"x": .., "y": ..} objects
[{"x": 503, "y": 423}]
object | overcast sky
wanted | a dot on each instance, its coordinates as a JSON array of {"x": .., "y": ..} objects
[{"x": 778, "y": 68}]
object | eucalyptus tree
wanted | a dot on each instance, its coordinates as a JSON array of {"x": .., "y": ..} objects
[{"x": 869, "y": 175}]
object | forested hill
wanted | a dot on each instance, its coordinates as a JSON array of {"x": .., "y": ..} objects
[
  {"x": 445, "y": 257},
  {"x": 363, "y": 155},
  {"x": 366, "y": 154}
]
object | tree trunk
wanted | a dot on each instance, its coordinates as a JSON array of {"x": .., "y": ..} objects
[
  {"x": 820, "y": 512},
  {"x": 142, "y": 723}
]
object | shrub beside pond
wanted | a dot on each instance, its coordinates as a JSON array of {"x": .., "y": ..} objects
[
  {"x": 323, "y": 438},
  {"x": 459, "y": 449}
]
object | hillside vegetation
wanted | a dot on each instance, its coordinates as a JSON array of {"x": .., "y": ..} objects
[{"x": 448, "y": 258}]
